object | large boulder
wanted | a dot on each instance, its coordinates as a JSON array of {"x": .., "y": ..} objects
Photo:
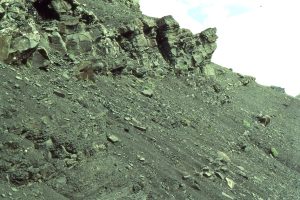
[
  {"x": 5, "y": 40},
  {"x": 18, "y": 33},
  {"x": 183, "y": 50},
  {"x": 17, "y": 45},
  {"x": 56, "y": 43},
  {"x": 79, "y": 43}
]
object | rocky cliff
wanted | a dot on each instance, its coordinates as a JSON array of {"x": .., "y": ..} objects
[
  {"x": 98, "y": 101},
  {"x": 38, "y": 32}
]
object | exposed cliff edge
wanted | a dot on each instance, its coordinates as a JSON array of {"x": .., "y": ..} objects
[
  {"x": 32, "y": 30},
  {"x": 101, "y": 102}
]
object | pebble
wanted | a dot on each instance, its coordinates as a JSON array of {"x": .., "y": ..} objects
[
  {"x": 59, "y": 93},
  {"x": 220, "y": 175},
  {"x": 141, "y": 158},
  {"x": 61, "y": 180},
  {"x": 207, "y": 174},
  {"x": 185, "y": 177},
  {"x": 274, "y": 152},
  {"x": 243, "y": 174},
  {"x": 148, "y": 92},
  {"x": 222, "y": 156},
  {"x": 141, "y": 128},
  {"x": 241, "y": 168},
  {"x": 19, "y": 78},
  {"x": 113, "y": 138},
  {"x": 48, "y": 144},
  {"x": 264, "y": 119},
  {"x": 182, "y": 186},
  {"x": 230, "y": 182},
  {"x": 17, "y": 86},
  {"x": 70, "y": 162},
  {"x": 226, "y": 195},
  {"x": 66, "y": 75}
]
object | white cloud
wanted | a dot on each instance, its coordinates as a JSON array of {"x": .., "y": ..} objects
[
  {"x": 262, "y": 41},
  {"x": 263, "y": 44}
]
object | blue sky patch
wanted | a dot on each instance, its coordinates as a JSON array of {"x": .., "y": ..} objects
[
  {"x": 236, "y": 9},
  {"x": 198, "y": 14}
]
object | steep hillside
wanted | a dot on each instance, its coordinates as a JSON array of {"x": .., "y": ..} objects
[{"x": 101, "y": 102}]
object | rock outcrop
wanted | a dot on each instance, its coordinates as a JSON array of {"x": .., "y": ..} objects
[
  {"x": 144, "y": 46},
  {"x": 183, "y": 50}
]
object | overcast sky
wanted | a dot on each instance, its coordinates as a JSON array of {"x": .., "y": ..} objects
[{"x": 260, "y": 38}]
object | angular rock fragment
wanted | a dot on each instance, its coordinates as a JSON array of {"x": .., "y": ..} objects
[
  {"x": 113, "y": 138},
  {"x": 148, "y": 92},
  {"x": 230, "y": 182},
  {"x": 274, "y": 152},
  {"x": 5, "y": 40},
  {"x": 56, "y": 42},
  {"x": 2, "y": 12},
  {"x": 183, "y": 50},
  {"x": 79, "y": 43},
  {"x": 40, "y": 59},
  {"x": 264, "y": 119}
]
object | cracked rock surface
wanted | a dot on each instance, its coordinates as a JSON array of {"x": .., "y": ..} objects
[{"x": 99, "y": 101}]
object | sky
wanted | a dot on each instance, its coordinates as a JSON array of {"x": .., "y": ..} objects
[{"x": 260, "y": 38}]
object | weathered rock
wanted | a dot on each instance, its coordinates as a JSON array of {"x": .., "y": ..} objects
[
  {"x": 60, "y": 6},
  {"x": 79, "y": 43},
  {"x": 208, "y": 70},
  {"x": 2, "y": 12},
  {"x": 133, "y": 4},
  {"x": 274, "y": 152},
  {"x": 61, "y": 9},
  {"x": 148, "y": 92},
  {"x": 168, "y": 23},
  {"x": 40, "y": 58},
  {"x": 88, "y": 17},
  {"x": 167, "y": 29},
  {"x": 279, "y": 89},
  {"x": 70, "y": 25},
  {"x": 138, "y": 40},
  {"x": 223, "y": 157},
  {"x": 209, "y": 35},
  {"x": 18, "y": 46},
  {"x": 56, "y": 42},
  {"x": 18, "y": 35},
  {"x": 13, "y": 10},
  {"x": 264, "y": 119},
  {"x": 183, "y": 50},
  {"x": 132, "y": 37},
  {"x": 113, "y": 138},
  {"x": 130, "y": 49},
  {"x": 107, "y": 46},
  {"x": 100, "y": 32},
  {"x": 24, "y": 42},
  {"x": 5, "y": 40},
  {"x": 230, "y": 182},
  {"x": 53, "y": 9}
]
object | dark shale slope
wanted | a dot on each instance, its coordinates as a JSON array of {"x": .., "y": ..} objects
[{"x": 100, "y": 102}]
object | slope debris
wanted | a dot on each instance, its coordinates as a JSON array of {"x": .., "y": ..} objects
[{"x": 101, "y": 102}]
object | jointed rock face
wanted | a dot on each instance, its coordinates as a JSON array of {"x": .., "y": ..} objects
[
  {"x": 98, "y": 101},
  {"x": 32, "y": 30}
]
